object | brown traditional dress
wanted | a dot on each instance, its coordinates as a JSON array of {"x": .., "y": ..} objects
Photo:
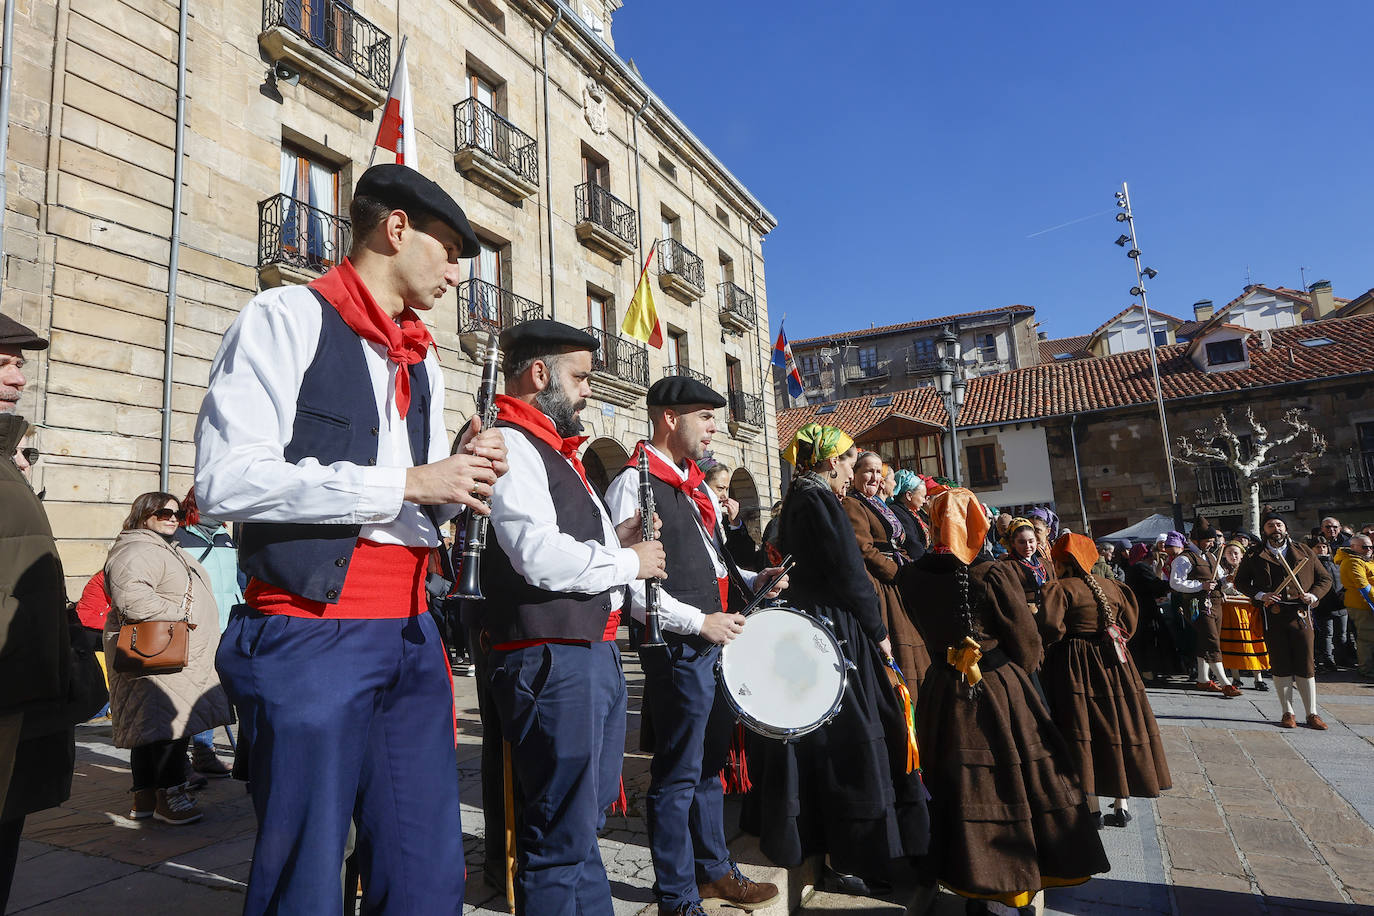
[
  {"x": 880, "y": 555},
  {"x": 1098, "y": 701},
  {"x": 1033, "y": 593},
  {"x": 1288, "y": 624},
  {"x": 1007, "y": 815}
]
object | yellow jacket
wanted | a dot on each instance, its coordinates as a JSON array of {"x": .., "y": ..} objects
[{"x": 1357, "y": 575}]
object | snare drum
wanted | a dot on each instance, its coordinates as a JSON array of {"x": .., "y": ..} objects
[{"x": 784, "y": 676}]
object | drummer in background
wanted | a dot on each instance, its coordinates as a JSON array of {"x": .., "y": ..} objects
[
  {"x": 1242, "y": 624},
  {"x": 692, "y": 723},
  {"x": 843, "y": 789},
  {"x": 554, "y": 573}
]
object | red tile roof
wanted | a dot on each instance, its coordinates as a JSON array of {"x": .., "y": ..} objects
[
  {"x": 908, "y": 325},
  {"x": 1077, "y": 346},
  {"x": 1120, "y": 380}
]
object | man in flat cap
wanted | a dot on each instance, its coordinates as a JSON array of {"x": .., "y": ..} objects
[
  {"x": 1287, "y": 578},
  {"x": 15, "y": 338},
  {"x": 554, "y": 573},
  {"x": 323, "y": 432},
  {"x": 693, "y": 726}
]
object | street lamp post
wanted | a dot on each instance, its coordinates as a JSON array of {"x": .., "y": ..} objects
[
  {"x": 949, "y": 382},
  {"x": 1123, "y": 201}
]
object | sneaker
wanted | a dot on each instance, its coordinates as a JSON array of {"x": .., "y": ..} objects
[
  {"x": 176, "y": 807},
  {"x": 145, "y": 800},
  {"x": 194, "y": 780},
  {"x": 734, "y": 888},
  {"x": 207, "y": 764},
  {"x": 682, "y": 909}
]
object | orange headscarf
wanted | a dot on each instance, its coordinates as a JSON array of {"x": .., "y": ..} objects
[
  {"x": 958, "y": 522},
  {"x": 1078, "y": 548}
]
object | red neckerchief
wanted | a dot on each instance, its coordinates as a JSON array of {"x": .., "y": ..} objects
[
  {"x": 406, "y": 338},
  {"x": 691, "y": 486},
  {"x": 535, "y": 422}
]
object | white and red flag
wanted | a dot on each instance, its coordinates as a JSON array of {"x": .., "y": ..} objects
[{"x": 397, "y": 130}]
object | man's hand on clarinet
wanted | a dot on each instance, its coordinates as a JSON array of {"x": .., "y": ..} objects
[
  {"x": 774, "y": 579},
  {"x": 653, "y": 564},
  {"x": 463, "y": 479},
  {"x": 631, "y": 531},
  {"x": 721, "y": 627},
  {"x": 487, "y": 444}
]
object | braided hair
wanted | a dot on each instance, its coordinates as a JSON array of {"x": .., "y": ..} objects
[
  {"x": 1106, "y": 614},
  {"x": 961, "y": 581}
]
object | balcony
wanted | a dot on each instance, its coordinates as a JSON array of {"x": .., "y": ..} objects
[
  {"x": 620, "y": 368},
  {"x": 298, "y": 242},
  {"x": 858, "y": 375},
  {"x": 673, "y": 370},
  {"x": 920, "y": 360},
  {"x": 605, "y": 223},
  {"x": 338, "y": 53},
  {"x": 1218, "y": 486},
  {"x": 680, "y": 272},
  {"x": 736, "y": 308},
  {"x": 1359, "y": 471},
  {"x": 492, "y": 152},
  {"x": 485, "y": 308},
  {"x": 746, "y": 414}
]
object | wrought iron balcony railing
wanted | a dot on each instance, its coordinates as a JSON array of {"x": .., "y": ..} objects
[
  {"x": 866, "y": 373},
  {"x": 1218, "y": 485},
  {"x": 477, "y": 126},
  {"x": 627, "y": 360},
  {"x": 736, "y": 303},
  {"x": 294, "y": 233},
  {"x": 745, "y": 407},
  {"x": 1359, "y": 470},
  {"x": 921, "y": 360},
  {"x": 335, "y": 28},
  {"x": 484, "y": 307},
  {"x": 676, "y": 258},
  {"x": 690, "y": 373},
  {"x": 597, "y": 205}
]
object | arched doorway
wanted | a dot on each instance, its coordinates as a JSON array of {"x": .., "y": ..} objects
[
  {"x": 744, "y": 492},
  {"x": 603, "y": 460}
]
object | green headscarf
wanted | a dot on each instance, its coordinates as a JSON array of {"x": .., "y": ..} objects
[{"x": 814, "y": 443}]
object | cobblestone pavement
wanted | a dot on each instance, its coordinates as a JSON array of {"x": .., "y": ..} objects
[{"x": 1261, "y": 820}]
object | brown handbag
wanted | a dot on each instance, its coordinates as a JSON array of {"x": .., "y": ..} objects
[{"x": 156, "y": 646}]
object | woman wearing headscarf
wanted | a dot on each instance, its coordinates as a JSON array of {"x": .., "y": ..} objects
[
  {"x": 844, "y": 789},
  {"x": 908, "y": 500},
  {"x": 1007, "y": 815},
  {"x": 882, "y": 543},
  {"x": 1025, "y": 559},
  {"x": 1096, "y": 696}
]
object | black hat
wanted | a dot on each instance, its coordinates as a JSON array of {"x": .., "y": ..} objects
[
  {"x": 555, "y": 335},
  {"x": 406, "y": 189},
  {"x": 1242, "y": 533},
  {"x": 14, "y": 334},
  {"x": 680, "y": 390},
  {"x": 1204, "y": 532},
  {"x": 1269, "y": 514}
]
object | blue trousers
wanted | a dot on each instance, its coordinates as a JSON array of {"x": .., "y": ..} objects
[
  {"x": 562, "y": 708},
  {"x": 347, "y": 721},
  {"x": 685, "y": 805}
]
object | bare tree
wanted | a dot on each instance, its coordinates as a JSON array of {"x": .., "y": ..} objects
[{"x": 1218, "y": 443}]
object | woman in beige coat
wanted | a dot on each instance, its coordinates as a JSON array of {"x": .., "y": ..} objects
[{"x": 155, "y": 715}]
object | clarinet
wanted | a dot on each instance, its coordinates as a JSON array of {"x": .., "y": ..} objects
[
  {"x": 653, "y": 632},
  {"x": 475, "y": 533}
]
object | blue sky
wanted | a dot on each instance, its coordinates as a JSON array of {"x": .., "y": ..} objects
[{"x": 912, "y": 151}]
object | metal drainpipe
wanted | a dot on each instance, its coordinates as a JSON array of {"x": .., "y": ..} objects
[
  {"x": 758, "y": 363},
  {"x": 548, "y": 163},
  {"x": 164, "y": 467},
  {"x": 6, "y": 72},
  {"x": 1078, "y": 474},
  {"x": 639, "y": 192}
]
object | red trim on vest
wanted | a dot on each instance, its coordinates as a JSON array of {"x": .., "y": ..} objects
[{"x": 384, "y": 581}]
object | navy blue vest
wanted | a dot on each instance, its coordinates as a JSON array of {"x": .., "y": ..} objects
[{"x": 336, "y": 420}]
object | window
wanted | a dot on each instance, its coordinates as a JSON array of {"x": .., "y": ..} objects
[
  {"x": 734, "y": 374},
  {"x": 1063, "y": 356},
  {"x": 677, "y": 348},
  {"x": 923, "y": 350},
  {"x": 1161, "y": 336},
  {"x": 825, "y": 409},
  {"x": 667, "y": 166},
  {"x": 310, "y": 224},
  {"x": 1222, "y": 352},
  {"x": 484, "y": 301},
  {"x": 324, "y": 22},
  {"x": 808, "y": 365},
  {"x": 598, "y": 310},
  {"x": 914, "y": 453},
  {"x": 981, "y": 461},
  {"x": 884, "y": 401},
  {"x": 595, "y": 169},
  {"x": 722, "y": 216},
  {"x": 1316, "y": 341},
  {"x": 989, "y": 352},
  {"x": 868, "y": 360},
  {"x": 670, "y": 226},
  {"x": 727, "y": 268}
]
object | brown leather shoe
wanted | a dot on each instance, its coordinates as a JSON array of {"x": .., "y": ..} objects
[
  {"x": 1230, "y": 691},
  {"x": 1288, "y": 721},
  {"x": 734, "y": 888},
  {"x": 1209, "y": 686},
  {"x": 1315, "y": 721}
]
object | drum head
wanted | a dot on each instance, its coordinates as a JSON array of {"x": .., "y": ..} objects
[{"x": 784, "y": 674}]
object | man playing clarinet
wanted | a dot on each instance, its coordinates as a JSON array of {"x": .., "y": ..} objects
[
  {"x": 692, "y": 725},
  {"x": 554, "y": 573},
  {"x": 323, "y": 432}
]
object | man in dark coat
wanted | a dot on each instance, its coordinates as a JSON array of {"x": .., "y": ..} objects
[{"x": 1289, "y": 580}]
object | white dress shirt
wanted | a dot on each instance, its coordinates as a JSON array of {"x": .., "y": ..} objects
[
  {"x": 1179, "y": 572},
  {"x": 248, "y": 417},
  {"x": 675, "y": 616},
  {"x": 525, "y": 524}
]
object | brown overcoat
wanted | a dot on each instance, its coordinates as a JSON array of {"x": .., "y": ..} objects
[
  {"x": 1288, "y": 625},
  {"x": 876, "y": 546}
]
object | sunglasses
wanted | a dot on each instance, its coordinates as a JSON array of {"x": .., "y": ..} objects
[
  {"x": 166, "y": 515},
  {"x": 30, "y": 454}
]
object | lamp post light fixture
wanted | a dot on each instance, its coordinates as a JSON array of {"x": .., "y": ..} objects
[
  {"x": 949, "y": 383},
  {"x": 1123, "y": 202}
]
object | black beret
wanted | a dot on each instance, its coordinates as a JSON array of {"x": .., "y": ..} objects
[
  {"x": 680, "y": 390},
  {"x": 1243, "y": 534},
  {"x": 14, "y": 334},
  {"x": 1202, "y": 533},
  {"x": 552, "y": 334},
  {"x": 403, "y": 188}
]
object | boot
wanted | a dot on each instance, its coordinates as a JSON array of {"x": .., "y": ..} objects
[{"x": 176, "y": 807}]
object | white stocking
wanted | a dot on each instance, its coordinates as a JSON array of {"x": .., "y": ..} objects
[
  {"x": 1259, "y": 677},
  {"x": 1284, "y": 687},
  {"x": 1307, "y": 690},
  {"x": 1221, "y": 677},
  {"x": 1119, "y": 804},
  {"x": 1202, "y": 671}
]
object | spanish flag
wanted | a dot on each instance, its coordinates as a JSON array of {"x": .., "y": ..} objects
[{"x": 641, "y": 318}]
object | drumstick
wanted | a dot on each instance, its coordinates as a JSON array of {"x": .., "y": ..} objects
[
  {"x": 762, "y": 593},
  {"x": 508, "y": 785}
]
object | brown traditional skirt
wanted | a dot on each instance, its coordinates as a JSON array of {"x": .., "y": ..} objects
[
  {"x": 908, "y": 646},
  {"x": 1288, "y": 635},
  {"x": 1242, "y": 635},
  {"x": 1207, "y": 634}
]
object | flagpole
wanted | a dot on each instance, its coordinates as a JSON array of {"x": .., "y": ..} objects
[{"x": 400, "y": 53}]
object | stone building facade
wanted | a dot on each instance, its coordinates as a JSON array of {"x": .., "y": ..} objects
[{"x": 566, "y": 163}]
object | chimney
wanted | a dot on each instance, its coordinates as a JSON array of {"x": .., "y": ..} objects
[
  {"x": 1323, "y": 302},
  {"x": 1202, "y": 309}
]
